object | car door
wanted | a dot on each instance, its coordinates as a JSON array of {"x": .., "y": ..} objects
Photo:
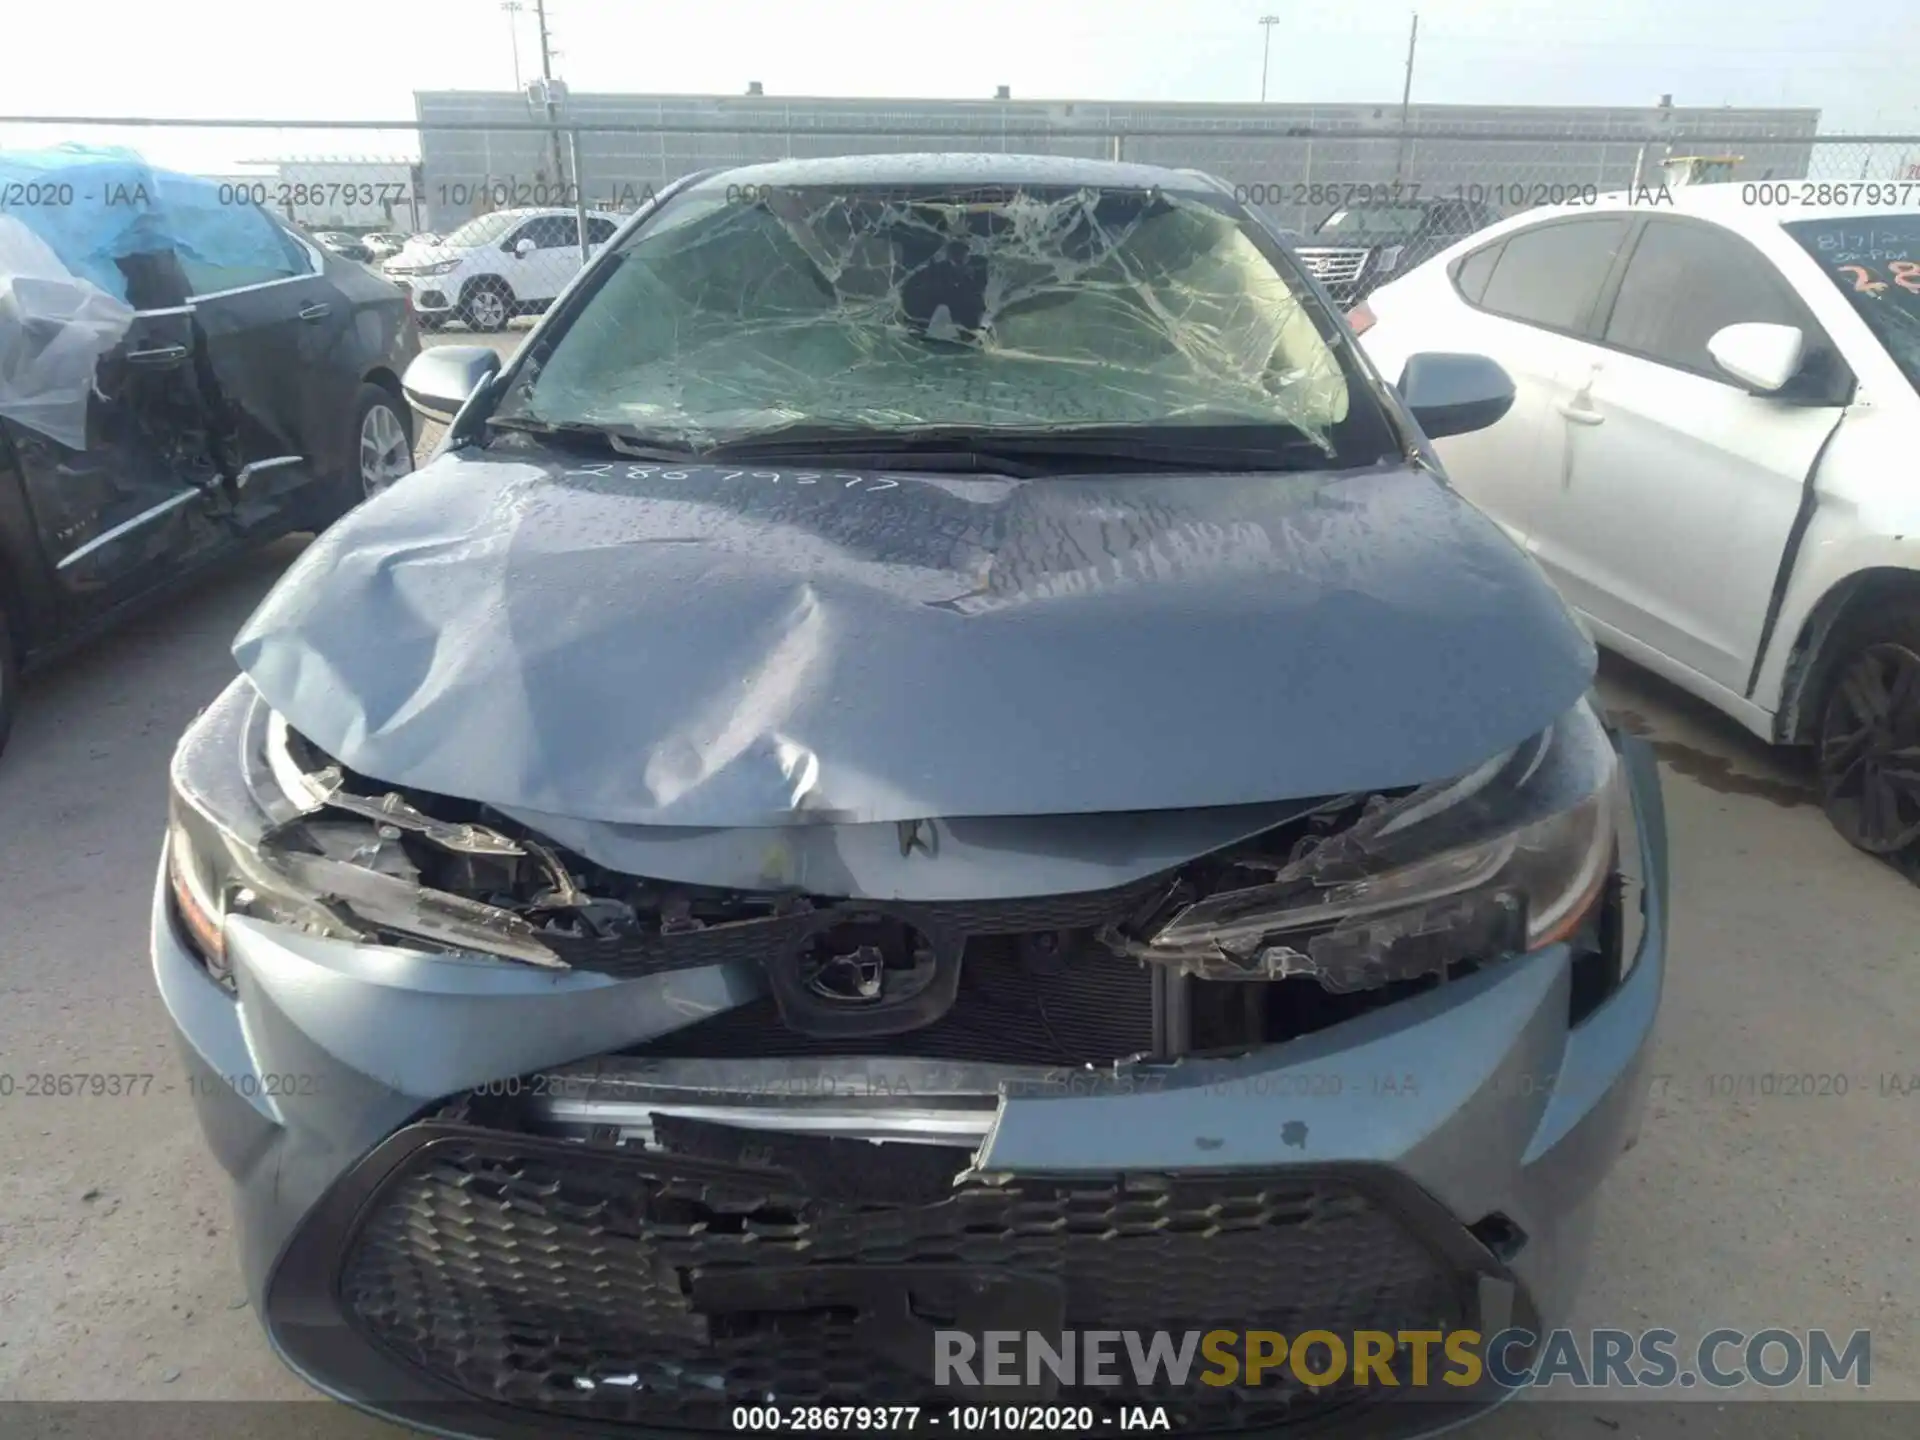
[
  {"x": 143, "y": 500},
  {"x": 1676, "y": 488},
  {"x": 274, "y": 331},
  {"x": 599, "y": 232},
  {"x": 1527, "y": 298},
  {"x": 555, "y": 257}
]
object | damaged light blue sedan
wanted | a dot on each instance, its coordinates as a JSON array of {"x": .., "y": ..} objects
[{"x": 934, "y": 752}]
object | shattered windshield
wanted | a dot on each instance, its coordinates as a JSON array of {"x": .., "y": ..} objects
[
  {"x": 1875, "y": 260},
  {"x": 742, "y": 311}
]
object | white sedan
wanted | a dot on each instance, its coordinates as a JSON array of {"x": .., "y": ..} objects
[{"x": 1712, "y": 451}]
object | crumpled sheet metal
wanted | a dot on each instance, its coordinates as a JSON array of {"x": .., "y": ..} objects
[
  {"x": 54, "y": 327},
  {"x": 894, "y": 310},
  {"x": 711, "y": 646},
  {"x": 119, "y": 205}
]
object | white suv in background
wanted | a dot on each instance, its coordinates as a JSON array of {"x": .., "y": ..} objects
[
  {"x": 497, "y": 266},
  {"x": 1711, "y": 452}
]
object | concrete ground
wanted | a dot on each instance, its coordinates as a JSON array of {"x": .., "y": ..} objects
[{"x": 1742, "y": 1206}]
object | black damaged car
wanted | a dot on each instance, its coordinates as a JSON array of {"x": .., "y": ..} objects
[{"x": 251, "y": 390}]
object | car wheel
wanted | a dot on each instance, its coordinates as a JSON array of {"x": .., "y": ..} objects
[
  {"x": 487, "y": 305},
  {"x": 1869, "y": 742},
  {"x": 383, "y": 446},
  {"x": 9, "y": 678}
]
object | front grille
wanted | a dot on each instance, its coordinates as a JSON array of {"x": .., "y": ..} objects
[
  {"x": 1088, "y": 1008},
  {"x": 1334, "y": 267},
  {"x": 752, "y": 940},
  {"x": 580, "y": 1282}
]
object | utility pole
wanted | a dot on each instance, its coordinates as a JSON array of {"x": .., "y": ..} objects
[
  {"x": 546, "y": 73},
  {"x": 1267, "y": 22},
  {"x": 1406, "y": 100},
  {"x": 513, "y": 9}
]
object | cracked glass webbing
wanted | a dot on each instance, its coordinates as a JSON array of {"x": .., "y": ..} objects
[{"x": 740, "y": 314}]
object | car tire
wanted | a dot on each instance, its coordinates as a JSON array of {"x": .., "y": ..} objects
[
  {"x": 1867, "y": 747},
  {"x": 9, "y": 674},
  {"x": 486, "y": 305},
  {"x": 382, "y": 444}
]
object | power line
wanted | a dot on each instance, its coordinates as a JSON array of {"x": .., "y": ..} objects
[
  {"x": 513, "y": 9},
  {"x": 546, "y": 74}
]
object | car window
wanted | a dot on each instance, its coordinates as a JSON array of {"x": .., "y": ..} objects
[
  {"x": 481, "y": 230},
  {"x": 1686, "y": 281},
  {"x": 1874, "y": 261},
  {"x": 600, "y": 231},
  {"x": 1550, "y": 275},
  {"x": 548, "y": 232},
  {"x": 271, "y": 254},
  {"x": 1471, "y": 272}
]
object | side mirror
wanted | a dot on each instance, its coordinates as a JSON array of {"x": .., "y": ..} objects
[
  {"x": 1762, "y": 357},
  {"x": 524, "y": 246},
  {"x": 439, "y": 380},
  {"x": 1454, "y": 394}
]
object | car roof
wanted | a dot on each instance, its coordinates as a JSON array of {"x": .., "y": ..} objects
[
  {"x": 530, "y": 212},
  {"x": 964, "y": 168},
  {"x": 1729, "y": 203}
]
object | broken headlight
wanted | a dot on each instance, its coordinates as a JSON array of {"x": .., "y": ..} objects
[
  {"x": 1511, "y": 856},
  {"x": 217, "y": 817},
  {"x": 244, "y": 841}
]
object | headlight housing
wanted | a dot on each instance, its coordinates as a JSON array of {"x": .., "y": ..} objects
[
  {"x": 218, "y": 814},
  {"x": 232, "y": 850},
  {"x": 437, "y": 267},
  {"x": 1511, "y": 856}
]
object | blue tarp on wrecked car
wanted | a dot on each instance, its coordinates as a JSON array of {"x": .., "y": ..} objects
[
  {"x": 68, "y": 216},
  {"x": 94, "y": 206}
]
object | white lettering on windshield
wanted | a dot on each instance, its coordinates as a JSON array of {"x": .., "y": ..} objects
[{"x": 866, "y": 484}]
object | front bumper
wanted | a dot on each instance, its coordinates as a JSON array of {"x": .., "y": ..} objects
[
  {"x": 1433, "y": 1160},
  {"x": 432, "y": 294}
]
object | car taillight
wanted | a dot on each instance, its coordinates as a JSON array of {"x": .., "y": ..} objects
[{"x": 1360, "y": 318}]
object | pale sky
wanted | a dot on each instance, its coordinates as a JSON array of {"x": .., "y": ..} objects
[{"x": 363, "y": 59}]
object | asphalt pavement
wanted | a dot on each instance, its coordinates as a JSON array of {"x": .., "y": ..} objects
[{"x": 1744, "y": 1205}]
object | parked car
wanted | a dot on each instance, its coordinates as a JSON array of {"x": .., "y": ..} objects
[
  {"x": 347, "y": 246},
  {"x": 1716, "y": 405},
  {"x": 251, "y": 387},
  {"x": 382, "y": 243},
  {"x": 1353, "y": 250},
  {"x": 497, "y": 266},
  {"x": 928, "y": 693}
]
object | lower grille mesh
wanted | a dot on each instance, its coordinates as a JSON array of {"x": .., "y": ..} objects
[{"x": 557, "y": 1279}]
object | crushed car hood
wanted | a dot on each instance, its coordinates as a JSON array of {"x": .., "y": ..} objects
[{"x": 721, "y": 646}]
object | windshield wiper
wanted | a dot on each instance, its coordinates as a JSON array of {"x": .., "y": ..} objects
[
  {"x": 621, "y": 439},
  {"x": 1029, "y": 453},
  {"x": 965, "y": 449}
]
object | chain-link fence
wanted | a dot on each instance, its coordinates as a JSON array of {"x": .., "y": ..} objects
[{"x": 486, "y": 214}]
